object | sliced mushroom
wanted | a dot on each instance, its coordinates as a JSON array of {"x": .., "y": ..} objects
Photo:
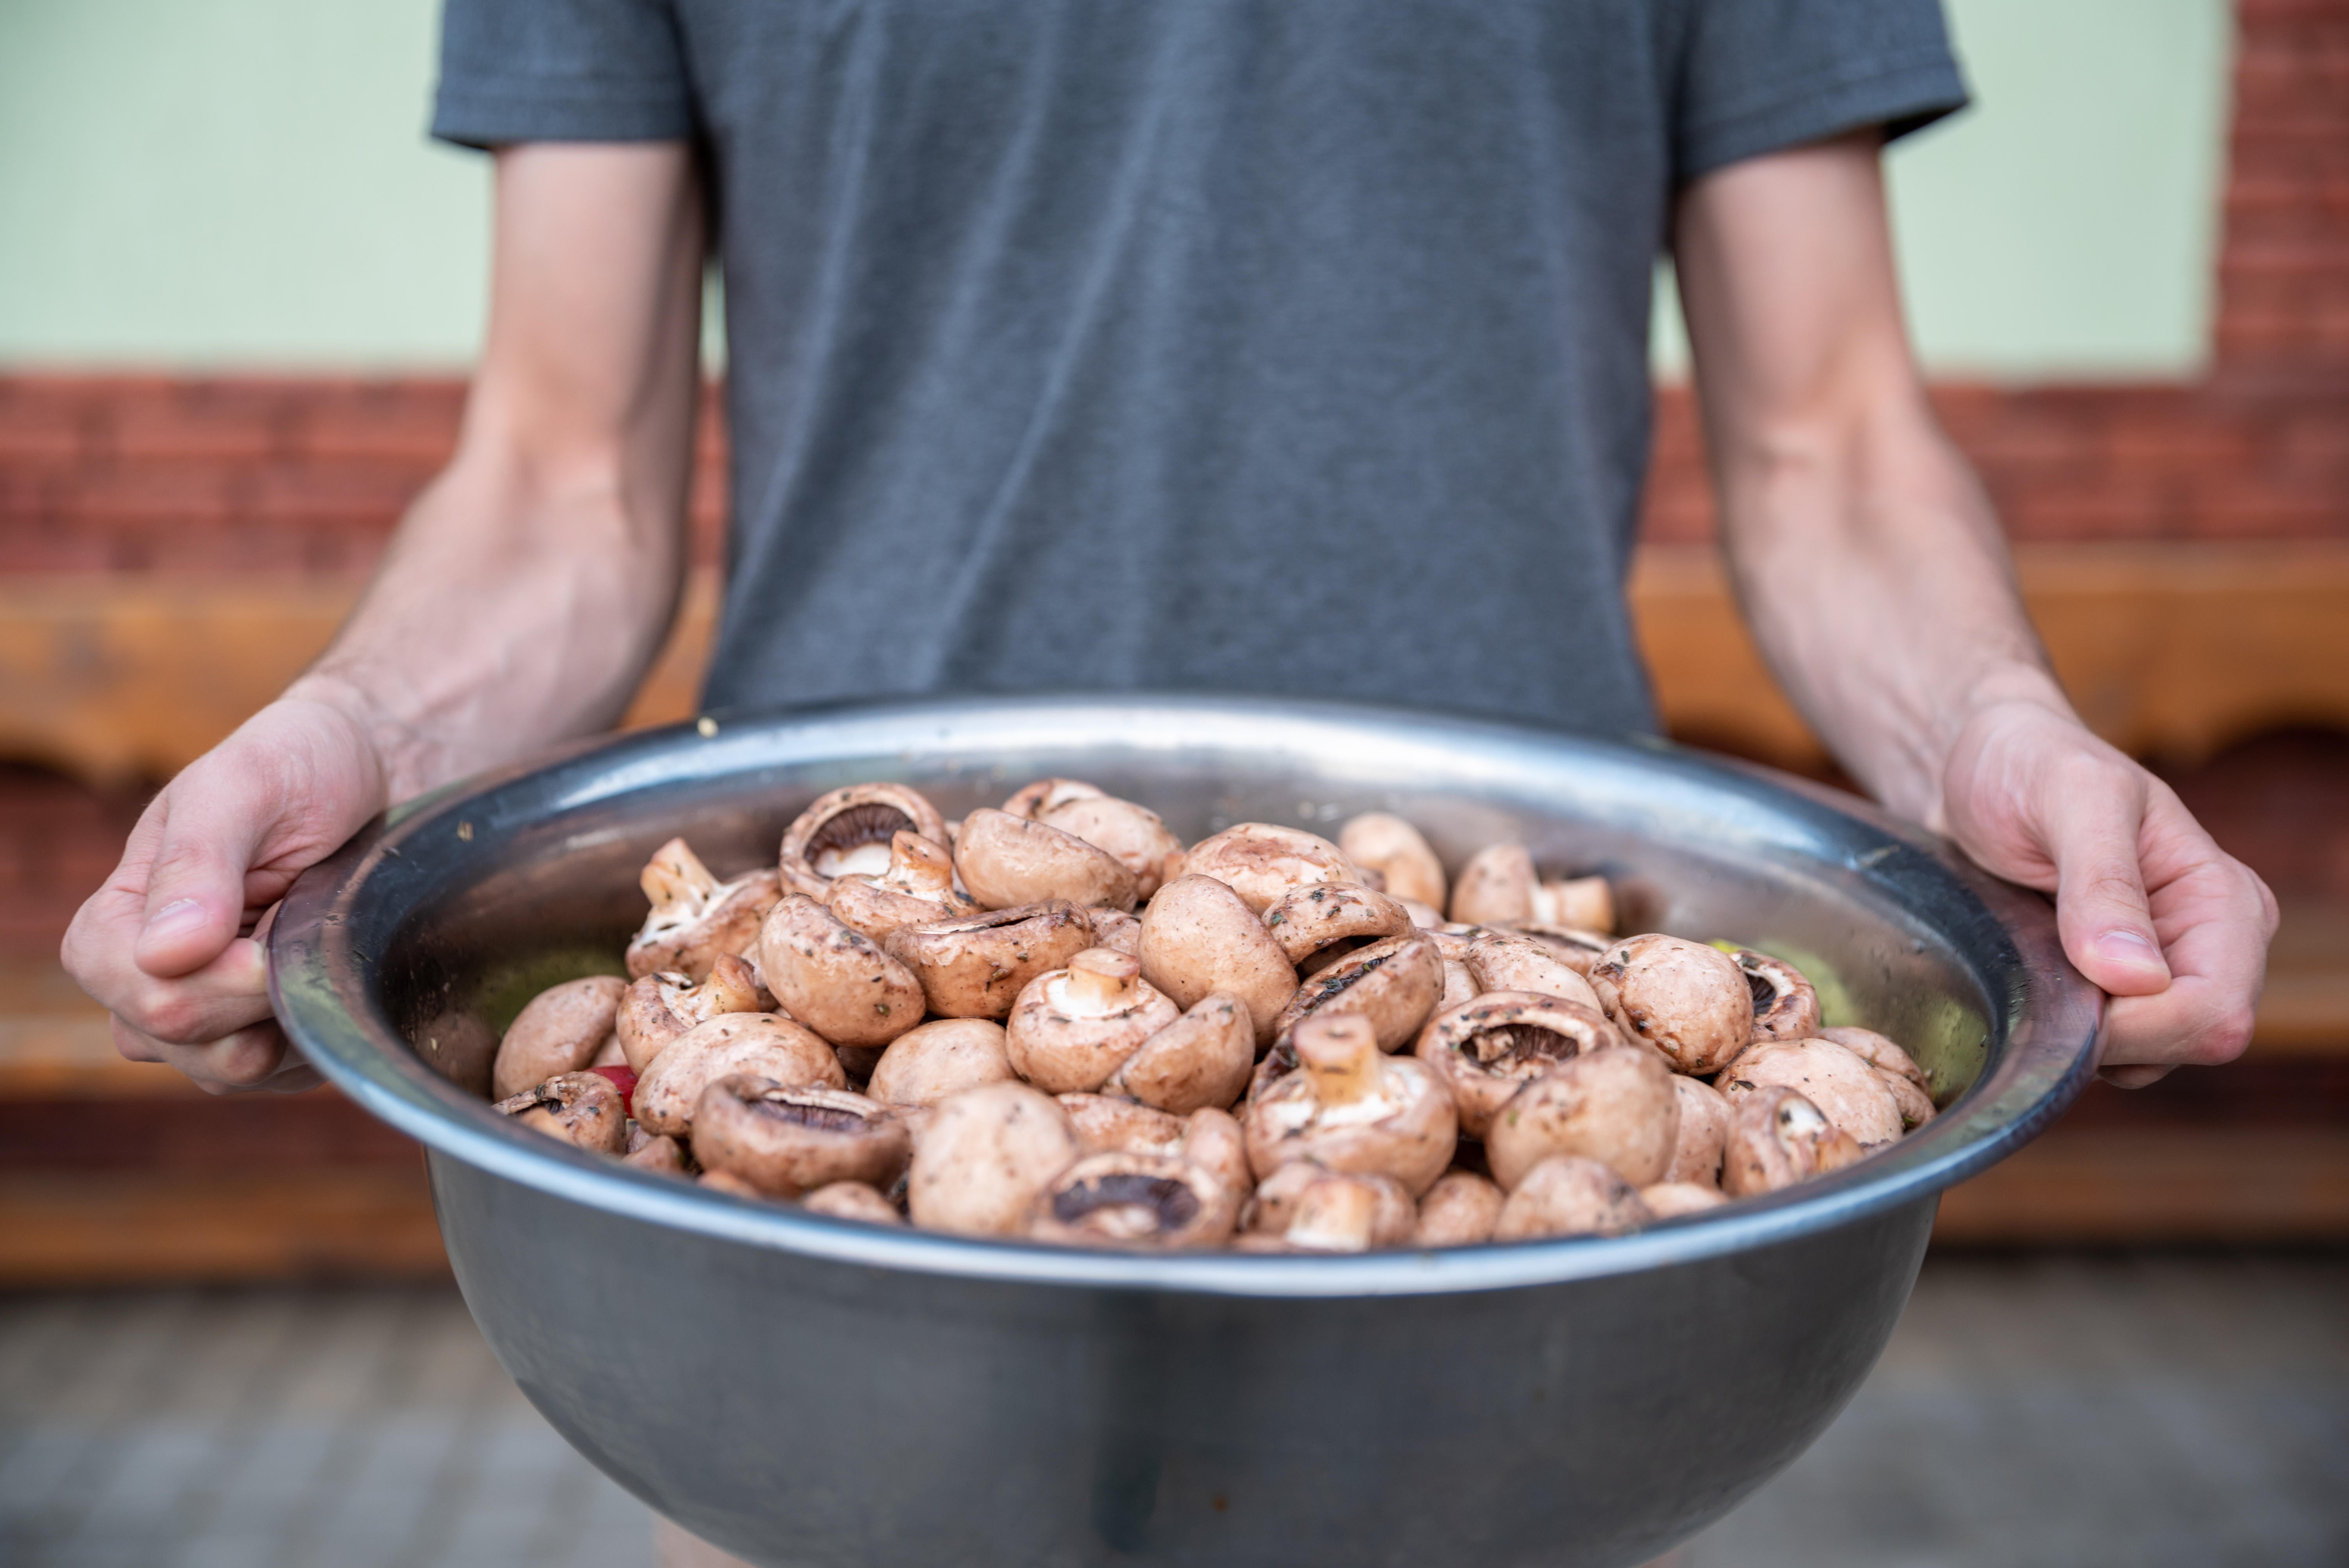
[
  {"x": 985, "y": 1156},
  {"x": 1704, "y": 1132},
  {"x": 836, "y": 981},
  {"x": 1135, "y": 1200},
  {"x": 917, "y": 889},
  {"x": 848, "y": 831},
  {"x": 1569, "y": 1195},
  {"x": 561, "y": 1030},
  {"x": 1382, "y": 842},
  {"x": 1688, "y": 1000},
  {"x": 852, "y": 1200},
  {"x": 1198, "y": 938},
  {"x": 1392, "y": 984},
  {"x": 944, "y": 1057},
  {"x": 581, "y": 1108},
  {"x": 1262, "y": 863},
  {"x": 1776, "y": 1137},
  {"x": 1202, "y": 1058},
  {"x": 662, "y": 1155},
  {"x": 1505, "y": 961},
  {"x": 1854, "y": 1095},
  {"x": 1784, "y": 1006},
  {"x": 757, "y": 1043},
  {"x": 1485, "y": 1050},
  {"x": 1616, "y": 1105},
  {"x": 695, "y": 917},
  {"x": 1899, "y": 1069},
  {"x": 1073, "y": 1027},
  {"x": 1007, "y": 861},
  {"x": 1459, "y": 1211},
  {"x": 658, "y": 1009},
  {"x": 1353, "y": 1109},
  {"x": 785, "y": 1142},
  {"x": 1115, "y": 928},
  {"x": 1318, "y": 925},
  {"x": 975, "y": 966},
  {"x": 1670, "y": 1199},
  {"x": 1133, "y": 835}
]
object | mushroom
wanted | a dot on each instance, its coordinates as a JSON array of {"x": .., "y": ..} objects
[
  {"x": 1392, "y": 984},
  {"x": 1704, "y": 1130},
  {"x": 1426, "y": 916},
  {"x": 560, "y": 1030},
  {"x": 1459, "y": 1211},
  {"x": 1073, "y": 1027},
  {"x": 836, "y": 981},
  {"x": 943, "y": 1057},
  {"x": 984, "y": 1157},
  {"x": 1407, "y": 867},
  {"x": 726, "y": 1181},
  {"x": 582, "y": 1109},
  {"x": 1202, "y": 1058},
  {"x": 1784, "y": 1006},
  {"x": 1353, "y": 1109},
  {"x": 1008, "y": 861},
  {"x": 1776, "y": 1137},
  {"x": 977, "y": 965},
  {"x": 1485, "y": 1050},
  {"x": 1319, "y": 923},
  {"x": 757, "y": 1043},
  {"x": 1505, "y": 961},
  {"x": 1135, "y": 1200},
  {"x": 1133, "y": 835},
  {"x": 1262, "y": 863},
  {"x": 1576, "y": 948},
  {"x": 1334, "y": 1212},
  {"x": 918, "y": 888},
  {"x": 852, "y": 1200},
  {"x": 1570, "y": 1195},
  {"x": 1199, "y": 938},
  {"x": 1670, "y": 1199},
  {"x": 695, "y": 917},
  {"x": 458, "y": 1046},
  {"x": 848, "y": 832},
  {"x": 1207, "y": 1137},
  {"x": 1688, "y": 1000},
  {"x": 1115, "y": 928},
  {"x": 1852, "y": 1094},
  {"x": 661, "y": 1154},
  {"x": 1459, "y": 982},
  {"x": 1615, "y": 1105},
  {"x": 1900, "y": 1070},
  {"x": 788, "y": 1141},
  {"x": 1499, "y": 883},
  {"x": 658, "y": 1008}
]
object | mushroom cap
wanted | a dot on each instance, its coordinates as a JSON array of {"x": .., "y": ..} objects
[
  {"x": 1198, "y": 937},
  {"x": 943, "y": 1057},
  {"x": 1115, "y": 928},
  {"x": 918, "y": 888},
  {"x": 1916, "y": 1105},
  {"x": 1497, "y": 883},
  {"x": 985, "y": 1156},
  {"x": 580, "y": 1109},
  {"x": 1670, "y": 1199},
  {"x": 1269, "y": 1208},
  {"x": 1586, "y": 903},
  {"x": 1261, "y": 862},
  {"x": 1487, "y": 1049},
  {"x": 656, "y": 1009},
  {"x": 1347, "y": 1211},
  {"x": 1319, "y": 923},
  {"x": 1038, "y": 796},
  {"x": 1393, "y": 983},
  {"x": 1132, "y": 835},
  {"x": 1007, "y": 861},
  {"x": 852, "y": 1200},
  {"x": 1777, "y": 1138},
  {"x": 1353, "y": 1109},
  {"x": 728, "y": 1183},
  {"x": 1459, "y": 1211},
  {"x": 835, "y": 980},
  {"x": 1688, "y": 1000},
  {"x": 757, "y": 1043},
  {"x": 1384, "y": 842},
  {"x": 1573, "y": 946},
  {"x": 1854, "y": 1095},
  {"x": 662, "y": 1155},
  {"x": 1569, "y": 1195},
  {"x": 785, "y": 1142},
  {"x": 558, "y": 1031},
  {"x": 1878, "y": 1052},
  {"x": 1505, "y": 961},
  {"x": 1703, "y": 1130},
  {"x": 1616, "y": 1105},
  {"x": 1213, "y": 1138},
  {"x": 1784, "y": 1006},
  {"x": 975, "y": 966},
  {"x": 1073, "y": 1027},
  {"x": 1203, "y": 1059},
  {"x": 848, "y": 830},
  {"x": 694, "y": 916},
  {"x": 1120, "y": 1200},
  {"x": 1105, "y": 1124}
]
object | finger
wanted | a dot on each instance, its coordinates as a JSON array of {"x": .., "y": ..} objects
[
  {"x": 256, "y": 1058},
  {"x": 195, "y": 903},
  {"x": 2101, "y": 910},
  {"x": 229, "y": 993},
  {"x": 2134, "y": 1077},
  {"x": 2214, "y": 926}
]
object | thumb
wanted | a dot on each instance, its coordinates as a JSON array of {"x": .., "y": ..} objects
[
  {"x": 195, "y": 881},
  {"x": 2100, "y": 904}
]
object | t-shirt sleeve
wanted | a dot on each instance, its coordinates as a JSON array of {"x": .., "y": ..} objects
[
  {"x": 561, "y": 70},
  {"x": 1761, "y": 75}
]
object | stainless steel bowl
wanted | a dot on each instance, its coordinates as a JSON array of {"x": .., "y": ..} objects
[{"x": 803, "y": 1390}]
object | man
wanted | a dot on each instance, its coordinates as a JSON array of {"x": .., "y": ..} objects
[{"x": 1224, "y": 344}]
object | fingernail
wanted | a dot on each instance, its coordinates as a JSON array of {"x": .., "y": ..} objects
[
  {"x": 2123, "y": 947},
  {"x": 177, "y": 918}
]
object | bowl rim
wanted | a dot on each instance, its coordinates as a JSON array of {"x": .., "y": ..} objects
[{"x": 318, "y": 989}]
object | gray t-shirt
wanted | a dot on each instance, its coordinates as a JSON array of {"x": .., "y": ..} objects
[{"x": 1290, "y": 346}]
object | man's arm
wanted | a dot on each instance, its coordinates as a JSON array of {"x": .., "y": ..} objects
[
  {"x": 519, "y": 602},
  {"x": 1872, "y": 569}
]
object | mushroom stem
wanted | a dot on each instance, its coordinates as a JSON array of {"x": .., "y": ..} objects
[
  {"x": 675, "y": 875},
  {"x": 1342, "y": 1054},
  {"x": 917, "y": 865},
  {"x": 1101, "y": 979}
]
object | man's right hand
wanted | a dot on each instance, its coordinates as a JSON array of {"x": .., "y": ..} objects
[{"x": 173, "y": 943}]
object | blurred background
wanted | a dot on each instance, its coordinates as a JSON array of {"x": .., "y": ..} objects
[{"x": 238, "y": 294}]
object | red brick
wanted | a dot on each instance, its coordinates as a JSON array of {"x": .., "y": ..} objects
[
  {"x": 414, "y": 422},
  {"x": 145, "y": 492},
  {"x": 222, "y": 430}
]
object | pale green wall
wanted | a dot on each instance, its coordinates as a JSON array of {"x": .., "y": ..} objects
[{"x": 246, "y": 184}]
